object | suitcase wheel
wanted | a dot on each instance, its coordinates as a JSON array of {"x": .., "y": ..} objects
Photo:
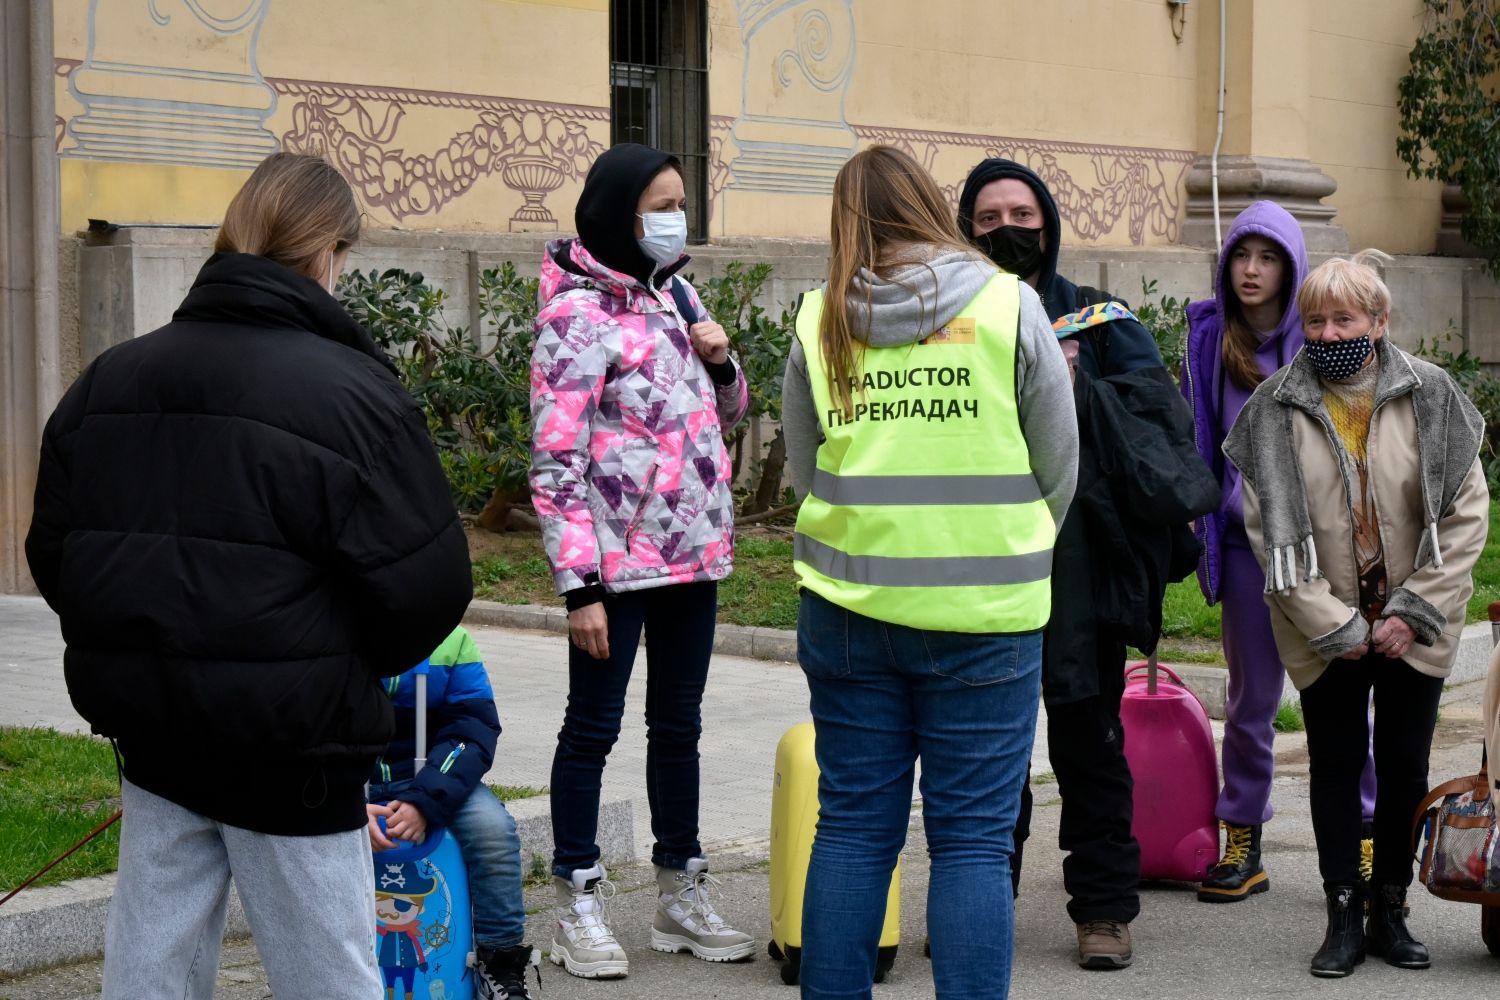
[
  {"x": 791, "y": 970},
  {"x": 774, "y": 951},
  {"x": 1489, "y": 928},
  {"x": 883, "y": 962}
]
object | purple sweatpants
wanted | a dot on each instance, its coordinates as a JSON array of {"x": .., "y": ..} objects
[{"x": 1256, "y": 677}]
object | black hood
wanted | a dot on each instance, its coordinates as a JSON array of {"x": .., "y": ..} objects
[
  {"x": 999, "y": 169},
  {"x": 605, "y": 216},
  {"x": 252, "y": 290}
]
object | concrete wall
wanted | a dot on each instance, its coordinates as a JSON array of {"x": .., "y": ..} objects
[{"x": 130, "y": 281}]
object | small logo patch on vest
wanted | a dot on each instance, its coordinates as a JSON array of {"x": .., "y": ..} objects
[{"x": 959, "y": 330}]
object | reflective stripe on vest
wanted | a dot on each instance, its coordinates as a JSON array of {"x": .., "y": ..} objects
[{"x": 923, "y": 509}]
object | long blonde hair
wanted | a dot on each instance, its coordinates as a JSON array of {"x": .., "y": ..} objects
[
  {"x": 883, "y": 203},
  {"x": 291, "y": 210}
]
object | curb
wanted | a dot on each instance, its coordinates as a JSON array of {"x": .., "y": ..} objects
[
  {"x": 63, "y": 924},
  {"x": 1209, "y": 684},
  {"x": 729, "y": 640}
]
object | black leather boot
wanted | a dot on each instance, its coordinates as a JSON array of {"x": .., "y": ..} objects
[
  {"x": 1238, "y": 873},
  {"x": 1386, "y": 934},
  {"x": 1344, "y": 943}
]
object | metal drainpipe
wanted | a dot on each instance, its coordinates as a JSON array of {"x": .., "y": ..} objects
[{"x": 1213, "y": 169}]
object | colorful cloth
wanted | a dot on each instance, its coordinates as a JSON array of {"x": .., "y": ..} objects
[
  {"x": 1104, "y": 312},
  {"x": 629, "y": 474},
  {"x": 1350, "y": 404}
]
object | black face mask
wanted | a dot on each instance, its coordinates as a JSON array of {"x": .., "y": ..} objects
[{"x": 1014, "y": 248}]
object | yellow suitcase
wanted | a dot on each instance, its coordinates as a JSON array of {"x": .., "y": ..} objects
[{"x": 794, "y": 818}]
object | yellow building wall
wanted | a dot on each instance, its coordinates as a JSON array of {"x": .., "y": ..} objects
[
  {"x": 1098, "y": 97},
  {"x": 465, "y": 115},
  {"x": 1359, "y": 53},
  {"x": 483, "y": 115}
]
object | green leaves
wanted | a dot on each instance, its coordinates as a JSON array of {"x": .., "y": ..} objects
[
  {"x": 1450, "y": 112},
  {"x": 473, "y": 386},
  {"x": 1166, "y": 318}
]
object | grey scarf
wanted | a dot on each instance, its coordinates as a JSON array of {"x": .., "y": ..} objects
[{"x": 1449, "y": 432}]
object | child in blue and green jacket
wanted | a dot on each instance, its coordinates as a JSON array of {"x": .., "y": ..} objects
[{"x": 463, "y": 728}]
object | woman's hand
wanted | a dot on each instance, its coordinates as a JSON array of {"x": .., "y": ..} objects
[
  {"x": 1357, "y": 653},
  {"x": 710, "y": 341},
  {"x": 1392, "y": 637},
  {"x": 378, "y": 840},
  {"x": 588, "y": 626}
]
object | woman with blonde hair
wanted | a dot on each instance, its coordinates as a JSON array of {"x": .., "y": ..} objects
[
  {"x": 931, "y": 431},
  {"x": 1366, "y": 505},
  {"x": 243, "y": 526}
]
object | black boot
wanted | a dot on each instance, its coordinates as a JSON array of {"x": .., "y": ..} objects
[
  {"x": 1344, "y": 944},
  {"x": 502, "y": 972},
  {"x": 1386, "y": 934},
  {"x": 1238, "y": 873}
]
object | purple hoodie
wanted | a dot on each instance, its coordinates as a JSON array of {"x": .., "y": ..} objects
[{"x": 1215, "y": 399}]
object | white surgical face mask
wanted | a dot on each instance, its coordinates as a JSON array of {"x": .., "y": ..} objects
[
  {"x": 665, "y": 235},
  {"x": 332, "y": 281}
]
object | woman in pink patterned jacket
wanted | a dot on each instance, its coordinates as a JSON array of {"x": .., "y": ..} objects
[{"x": 631, "y": 387}]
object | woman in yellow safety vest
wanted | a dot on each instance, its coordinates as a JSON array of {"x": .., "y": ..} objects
[{"x": 931, "y": 431}]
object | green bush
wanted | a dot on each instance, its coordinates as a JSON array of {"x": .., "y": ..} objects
[
  {"x": 761, "y": 344},
  {"x": 474, "y": 385},
  {"x": 1166, "y": 317}
]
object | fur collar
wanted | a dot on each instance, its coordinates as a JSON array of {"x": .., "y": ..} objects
[{"x": 1449, "y": 433}]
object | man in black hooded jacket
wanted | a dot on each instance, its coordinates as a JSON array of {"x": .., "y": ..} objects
[{"x": 1125, "y": 536}]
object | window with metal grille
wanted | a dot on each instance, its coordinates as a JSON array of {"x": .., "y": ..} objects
[{"x": 658, "y": 88}]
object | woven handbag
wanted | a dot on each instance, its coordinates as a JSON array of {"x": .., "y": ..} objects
[{"x": 1460, "y": 859}]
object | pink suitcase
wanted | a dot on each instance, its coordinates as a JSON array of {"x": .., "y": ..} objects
[{"x": 1170, "y": 748}]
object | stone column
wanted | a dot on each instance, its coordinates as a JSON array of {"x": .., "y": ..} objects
[
  {"x": 1266, "y": 152},
  {"x": 1450, "y": 237},
  {"x": 29, "y": 349}
]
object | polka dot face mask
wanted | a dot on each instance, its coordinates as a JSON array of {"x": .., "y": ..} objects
[{"x": 1336, "y": 360}]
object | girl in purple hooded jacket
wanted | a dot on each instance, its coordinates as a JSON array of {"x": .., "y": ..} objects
[{"x": 1245, "y": 333}]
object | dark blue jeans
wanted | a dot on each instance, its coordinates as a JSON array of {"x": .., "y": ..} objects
[
  {"x": 679, "y": 624},
  {"x": 883, "y": 696}
]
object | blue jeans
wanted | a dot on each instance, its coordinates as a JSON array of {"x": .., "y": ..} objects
[
  {"x": 486, "y": 835},
  {"x": 883, "y": 696},
  {"x": 678, "y": 620}
]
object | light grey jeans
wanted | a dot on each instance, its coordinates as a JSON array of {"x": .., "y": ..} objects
[{"x": 310, "y": 902}]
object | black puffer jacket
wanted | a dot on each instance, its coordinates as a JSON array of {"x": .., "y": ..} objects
[{"x": 243, "y": 525}]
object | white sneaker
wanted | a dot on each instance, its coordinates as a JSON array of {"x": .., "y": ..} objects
[
  {"x": 686, "y": 919},
  {"x": 583, "y": 943}
]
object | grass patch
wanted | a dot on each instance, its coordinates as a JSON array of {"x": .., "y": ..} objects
[
  {"x": 510, "y": 793},
  {"x": 1487, "y": 572},
  {"x": 1288, "y": 718},
  {"x": 762, "y": 590},
  {"x": 55, "y": 788}
]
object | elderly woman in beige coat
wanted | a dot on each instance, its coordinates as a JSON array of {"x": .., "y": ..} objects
[{"x": 1365, "y": 502}]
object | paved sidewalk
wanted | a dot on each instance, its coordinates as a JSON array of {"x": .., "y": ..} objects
[
  {"x": 748, "y": 705},
  {"x": 1185, "y": 950}
]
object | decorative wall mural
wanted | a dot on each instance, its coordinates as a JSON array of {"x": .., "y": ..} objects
[
  {"x": 791, "y": 136},
  {"x": 1142, "y": 186},
  {"x": 173, "y": 81},
  {"x": 533, "y": 146}
]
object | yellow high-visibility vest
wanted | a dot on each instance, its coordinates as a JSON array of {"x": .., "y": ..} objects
[{"x": 923, "y": 509}]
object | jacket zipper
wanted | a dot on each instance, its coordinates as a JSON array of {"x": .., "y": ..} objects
[
  {"x": 453, "y": 756},
  {"x": 640, "y": 509}
]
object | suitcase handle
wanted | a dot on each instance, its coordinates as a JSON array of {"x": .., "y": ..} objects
[{"x": 1151, "y": 667}]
